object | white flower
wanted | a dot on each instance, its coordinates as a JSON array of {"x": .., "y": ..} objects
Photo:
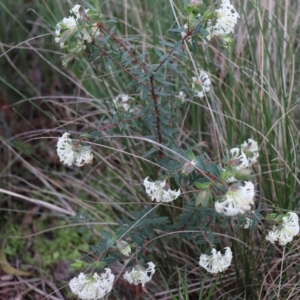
[
  {"x": 159, "y": 192},
  {"x": 70, "y": 27},
  {"x": 285, "y": 232},
  {"x": 140, "y": 274},
  {"x": 201, "y": 84},
  {"x": 251, "y": 147},
  {"x": 92, "y": 287},
  {"x": 75, "y": 10},
  {"x": 70, "y": 154},
  {"x": 237, "y": 200},
  {"x": 272, "y": 236},
  {"x": 226, "y": 20},
  {"x": 242, "y": 161},
  {"x": 249, "y": 221},
  {"x": 123, "y": 100},
  {"x": 216, "y": 262}
]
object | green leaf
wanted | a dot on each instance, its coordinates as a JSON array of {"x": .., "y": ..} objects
[
  {"x": 167, "y": 44},
  {"x": 150, "y": 152},
  {"x": 106, "y": 235},
  {"x": 84, "y": 135},
  {"x": 214, "y": 170},
  {"x": 201, "y": 164},
  {"x": 95, "y": 134},
  {"x": 177, "y": 30},
  {"x": 158, "y": 52},
  {"x": 177, "y": 46},
  {"x": 146, "y": 91},
  {"x": 202, "y": 185},
  {"x": 100, "y": 122},
  {"x": 163, "y": 57},
  {"x": 191, "y": 155},
  {"x": 197, "y": 29},
  {"x": 110, "y": 243}
]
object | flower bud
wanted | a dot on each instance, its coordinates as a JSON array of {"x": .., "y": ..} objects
[
  {"x": 203, "y": 198},
  {"x": 77, "y": 265},
  {"x": 195, "y": 2},
  {"x": 123, "y": 248},
  {"x": 188, "y": 167},
  {"x": 243, "y": 174},
  {"x": 227, "y": 41}
]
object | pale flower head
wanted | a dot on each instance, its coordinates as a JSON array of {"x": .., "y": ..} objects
[
  {"x": 285, "y": 232},
  {"x": 237, "y": 200},
  {"x": 238, "y": 160},
  {"x": 94, "y": 287},
  {"x": 250, "y": 146},
  {"x": 70, "y": 154},
  {"x": 75, "y": 10},
  {"x": 216, "y": 262},
  {"x": 226, "y": 19},
  {"x": 201, "y": 84},
  {"x": 123, "y": 101},
  {"x": 70, "y": 27},
  {"x": 159, "y": 191},
  {"x": 140, "y": 275}
]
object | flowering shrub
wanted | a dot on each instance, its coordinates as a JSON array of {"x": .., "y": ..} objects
[{"x": 219, "y": 191}]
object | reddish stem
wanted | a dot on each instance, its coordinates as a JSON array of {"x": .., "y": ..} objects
[{"x": 100, "y": 25}]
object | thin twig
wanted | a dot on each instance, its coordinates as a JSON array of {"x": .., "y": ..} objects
[
  {"x": 118, "y": 64},
  {"x": 100, "y": 25}
]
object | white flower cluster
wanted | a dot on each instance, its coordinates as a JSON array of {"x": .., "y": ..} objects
[
  {"x": 123, "y": 101},
  {"x": 226, "y": 20},
  {"x": 71, "y": 154},
  {"x": 159, "y": 191},
  {"x": 250, "y": 148},
  {"x": 140, "y": 274},
  {"x": 237, "y": 200},
  {"x": 216, "y": 262},
  {"x": 201, "y": 84},
  {"x": 242, "y": 158},
  {"x": 285, "y": 232},
  {"x": 71, "y": 27},
  {"x": 92, "y": 287}
]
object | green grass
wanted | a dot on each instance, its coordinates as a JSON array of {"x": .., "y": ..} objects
[{"x": 255, "y": 93}]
